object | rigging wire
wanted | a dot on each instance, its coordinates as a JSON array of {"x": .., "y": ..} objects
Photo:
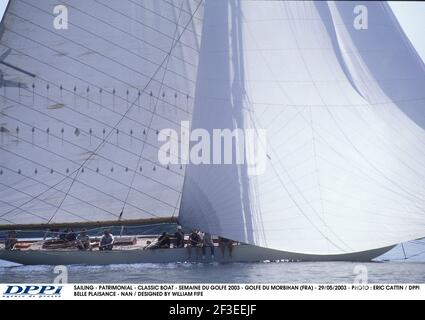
[
  {"x": 150, "y": 44},
  {"x": 67, "y": 177},
  {"x": 112, "y": 93},
  {"x": 308, "y": 70},
  {"x": 112, "y": 110},
  {"x": 104, "y": 39},
  {"x": 156, "y": 103},
  {"x": 116, "y": 125},
  {"x": 12, "y": 205}
]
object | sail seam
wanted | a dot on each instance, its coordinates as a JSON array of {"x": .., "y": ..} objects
[
  {"x": 107, "y": 136},
  {"x": 155, "y": 106}
]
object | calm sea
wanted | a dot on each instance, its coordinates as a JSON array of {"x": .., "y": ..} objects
[{"x": 393, "y": 271}]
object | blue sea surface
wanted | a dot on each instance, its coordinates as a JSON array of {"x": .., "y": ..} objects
[{"x": 291, "y": 272}]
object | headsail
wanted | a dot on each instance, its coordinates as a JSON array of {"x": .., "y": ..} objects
[
  {"x": 344, "y": 110},
  {"x": 86, "y": 86}
]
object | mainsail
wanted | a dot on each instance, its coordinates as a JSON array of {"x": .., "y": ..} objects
[
  {"x": 85, "y": 88},
  {"x": 344, "y": 110}
]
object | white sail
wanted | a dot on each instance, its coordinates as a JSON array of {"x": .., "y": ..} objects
[
  {"x": 85, "y": 87},
  {"x": 340, "y": 91}
]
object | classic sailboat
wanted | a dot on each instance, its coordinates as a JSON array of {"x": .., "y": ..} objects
[{"x": 88, "y": 87}]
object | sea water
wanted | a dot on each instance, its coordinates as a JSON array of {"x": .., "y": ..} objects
[
  {"x": 397, "y": 270},
  {"x": 283, "y": 272}
]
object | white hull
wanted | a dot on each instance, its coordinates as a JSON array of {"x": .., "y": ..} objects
[{"x": 243, "y": 253}]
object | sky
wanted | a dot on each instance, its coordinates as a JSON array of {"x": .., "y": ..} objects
[
  {"x": 411, "y": 16},
  {"x": 3, "y": 4}
]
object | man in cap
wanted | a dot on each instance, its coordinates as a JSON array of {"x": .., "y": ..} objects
[
  {"x": 107, "y": 241},
  {"x": 179, "y": 235},
  {"x": 11, "y": 241}
]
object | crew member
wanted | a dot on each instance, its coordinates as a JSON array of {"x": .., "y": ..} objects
[
  {"x": 71, "y": 235},
  {"x": 83, "y": 241},
  {"x": 62, "y": 235},
  {"x": 195, "y": 241},
  {"x": 164, "y": 241},
  {"x": 106, "y": 242},
  {"x": 179, "y": 235},
  {"x": 207, "y": 242},
  {"x": 11, "y": 241},
  {"x": 225, "y": 243}
]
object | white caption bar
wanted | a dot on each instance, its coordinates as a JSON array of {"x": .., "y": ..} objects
[{"x": 211, "y": 291}]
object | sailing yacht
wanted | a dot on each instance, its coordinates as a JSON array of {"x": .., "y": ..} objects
[{"x": 336, "y": 85}]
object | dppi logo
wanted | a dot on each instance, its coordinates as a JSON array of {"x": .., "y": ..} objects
[{"x": 33, "y": 291}]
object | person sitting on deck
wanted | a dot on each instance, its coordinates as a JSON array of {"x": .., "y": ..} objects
[
  {"x": 164, "y": 241},
  {"x": 179, "y": 235},
  {"x": 71, "y": 235},
  {"x": 11, "y": 241},
  {"x": 148, "y": 245},
  {"x": 83, "y": 241},
  {"x": 62, "y": 235},
  {"x": 194, "y": 241},
  {"x": 106, "y": 242},
  {"x": 207, "y": 242},
  {"x": 223, "y": 243}
]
